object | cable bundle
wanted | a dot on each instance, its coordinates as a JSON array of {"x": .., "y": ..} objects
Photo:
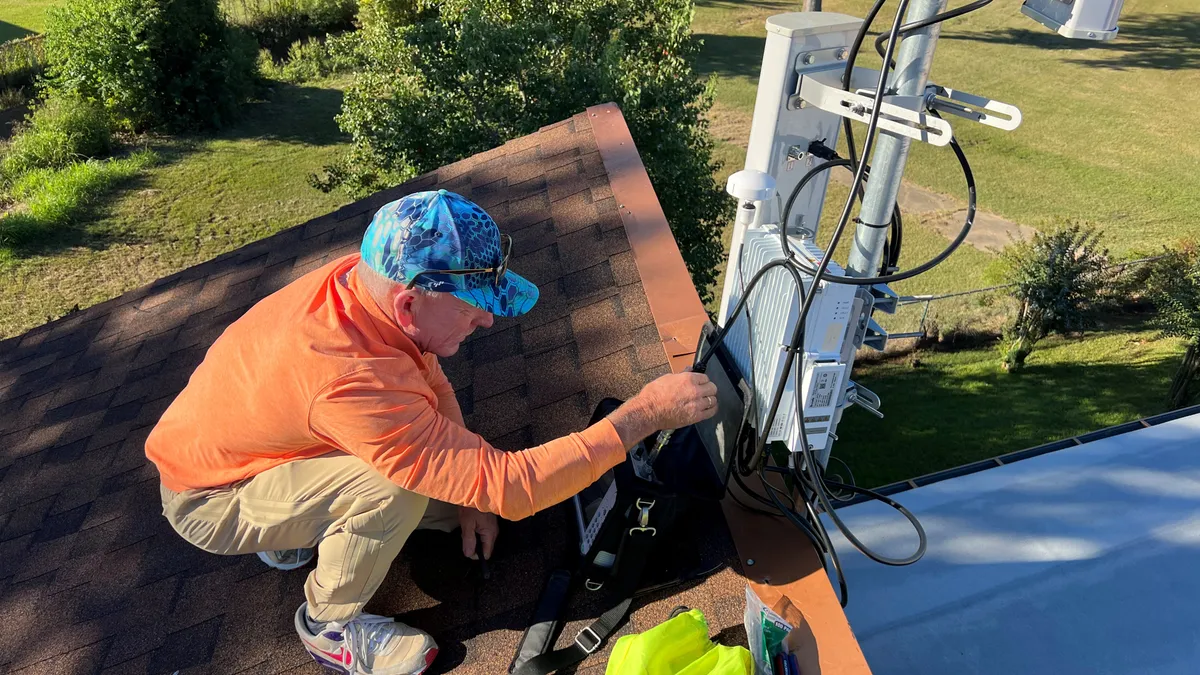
[{"x": 802, "y": 469}]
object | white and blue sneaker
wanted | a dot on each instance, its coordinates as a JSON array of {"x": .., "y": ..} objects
[
  {"x": 367, "y": 645},
  {"x": 289, "y": 559}
]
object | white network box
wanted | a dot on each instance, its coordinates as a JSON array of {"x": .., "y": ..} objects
[{"x": 774, "y": 308}]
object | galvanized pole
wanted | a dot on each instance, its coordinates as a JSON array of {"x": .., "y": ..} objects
[
  {"x": 812, "y": 5},
  {"x": 913, "y": 61}
]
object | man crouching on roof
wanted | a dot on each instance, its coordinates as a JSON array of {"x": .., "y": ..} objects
[{"x": 321, "y": 418}]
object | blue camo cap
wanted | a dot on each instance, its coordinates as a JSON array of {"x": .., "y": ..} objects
[{"x": 440, "y": 230}]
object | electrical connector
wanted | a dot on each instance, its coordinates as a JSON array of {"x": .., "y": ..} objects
[{"x": 819, "y": 149}]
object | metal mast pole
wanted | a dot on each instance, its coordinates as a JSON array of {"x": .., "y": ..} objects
[
  {"x": 913, "y": 62},
  {"x": 812, "y": 5}
]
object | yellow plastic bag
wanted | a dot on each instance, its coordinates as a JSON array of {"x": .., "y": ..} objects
[{"x": 679, "y": 646}]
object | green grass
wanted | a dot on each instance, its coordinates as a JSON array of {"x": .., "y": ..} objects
[
  {"x": 19, "y": 18},
  {"x": 959, "y": 407},
  {"x": 207, "y": 195},
  {"x": 52, "y": 199},
  {"x": 1096, "y": 143}
]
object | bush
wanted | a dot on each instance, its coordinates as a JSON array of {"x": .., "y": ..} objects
[
  {"x": 467, "y": 76},
  {"x": 1059, "y": 278},
  {"x": 170, "y": 64},
  {"x": 62, "y": 130},
  {"x": 53, "y": 198},
  {"x": 278, "y": 24},
  {"x": 312, "y": 59},
  {"x": 1173, "y": 285},
  {"x": 21, "y": 61}
]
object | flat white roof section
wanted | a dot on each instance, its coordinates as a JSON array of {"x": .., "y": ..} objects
[{"x": 1082, "y": 560}]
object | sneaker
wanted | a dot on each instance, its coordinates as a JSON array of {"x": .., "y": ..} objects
[
  {"x": 368, "y": 645},
  {"x": 290, "y": 559}
]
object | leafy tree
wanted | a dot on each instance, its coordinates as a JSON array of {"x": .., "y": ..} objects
[
  {"x": 1059, "y": 280},
  {"x": 1174, "y": 287},
  {"x": 451, "y": 78},
  {"x": 171, "y": 64}
]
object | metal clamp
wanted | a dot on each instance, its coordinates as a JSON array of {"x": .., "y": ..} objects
[
  {"x": 644, "y": 517},
  {"x": 592, "y": 634},
  {"x": 856, "y": 394},
  {"x": 975, "y": 108},
  {"x": 902, "y": 115}
]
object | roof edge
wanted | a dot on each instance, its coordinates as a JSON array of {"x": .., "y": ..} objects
[
  {"x": 678, "y": 313},
  {"x": 1028, "y": 453}
]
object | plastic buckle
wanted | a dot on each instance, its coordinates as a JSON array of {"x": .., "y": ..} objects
[{"x": 588, "y": 630}]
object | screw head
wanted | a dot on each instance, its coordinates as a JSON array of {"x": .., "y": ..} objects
[
  {"x": 841, "y": 54},
  {"x": 803, "y": 104},
  {"x": 750, "y": 562},
  {"x": 809, "y": 59}
]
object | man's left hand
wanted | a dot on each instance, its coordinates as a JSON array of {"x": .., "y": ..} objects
[{"x": 477, "y": 523}]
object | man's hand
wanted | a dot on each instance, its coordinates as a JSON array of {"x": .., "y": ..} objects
[
  {"x": 477, "y": 523},
  {"x": 669, "y": 402}
]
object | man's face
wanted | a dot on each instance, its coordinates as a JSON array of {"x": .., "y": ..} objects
[{"x": 438, "y": 322}]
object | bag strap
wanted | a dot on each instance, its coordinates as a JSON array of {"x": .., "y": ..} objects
[{"x": 633, "y": 561}]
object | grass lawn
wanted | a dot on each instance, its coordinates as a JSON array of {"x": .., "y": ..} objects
[
  {"x": 207, "y": 196},
  {"x": 960, "y": 407},
  {"x": 1095, "y": 143},
  {"x": 19, "y": 18}
]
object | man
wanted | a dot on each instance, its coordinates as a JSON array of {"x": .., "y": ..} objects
[{"x": 321, "y": 418}]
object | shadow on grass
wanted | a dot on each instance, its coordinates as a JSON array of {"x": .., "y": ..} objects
[
  {"x": 730, "y": 55},
  {"x": 1155, "y": 41},
  {"x": 9, "y": 31},
  {"x": 288, "y": 113},
  {"x": 947, "y": 414}
]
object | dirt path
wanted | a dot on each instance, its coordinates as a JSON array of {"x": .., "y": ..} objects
[{"x": 945, "y": 214}]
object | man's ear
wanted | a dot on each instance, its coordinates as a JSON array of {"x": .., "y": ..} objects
[{"x": 402, "y": 307}]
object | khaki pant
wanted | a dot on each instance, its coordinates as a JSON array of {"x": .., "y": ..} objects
[{"x": 358, "y": 519}]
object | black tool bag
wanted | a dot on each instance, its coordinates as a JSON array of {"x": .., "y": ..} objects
[{"x": 622, "y": 519}]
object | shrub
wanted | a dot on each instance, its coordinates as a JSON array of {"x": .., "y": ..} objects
[
  {"x": 53, "y": 198},
  {"x": 1059, "y": 277},
  {"x": 278, "y": 24},
  {"x": 22, "y": 61},
  {"x": 170, "y": 64},
  {"x": 62, "y": 130},
  {"x": 312, "y": 59},
  {"x": 467, "y": 76},
  {"x": 1173, "y": 285}
]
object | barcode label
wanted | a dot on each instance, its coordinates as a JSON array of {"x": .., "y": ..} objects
[{"x": 823, "y": 389}]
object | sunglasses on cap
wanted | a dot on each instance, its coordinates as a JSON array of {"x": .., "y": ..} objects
[{"x": 499, "y": 270}]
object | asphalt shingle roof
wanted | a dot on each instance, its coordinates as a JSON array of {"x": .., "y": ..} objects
[{"x": 93, "y": 580}]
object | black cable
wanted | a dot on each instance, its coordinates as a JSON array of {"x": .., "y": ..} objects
[
  {"x": 969, "y": 221},
  {"x": 908, "y": 28}
]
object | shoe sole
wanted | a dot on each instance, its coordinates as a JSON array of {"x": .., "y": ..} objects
[
  {"x": 430, "y": 656},
  {"x": 286, "y": 568}
]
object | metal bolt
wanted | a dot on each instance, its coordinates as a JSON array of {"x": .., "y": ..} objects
[
  {"x": 1091, "y": 35},
  {"x": 803, "y": 104},
  {"x": 809, "y": 59},
  {"x": 750, "y": 562},
  {"x": 840, "y": 54}
]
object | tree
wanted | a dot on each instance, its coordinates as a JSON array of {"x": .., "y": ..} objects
[
  {"x": 170, "y": 64},
  {"x": 1174, "y": 287},
  {"x": 452, "y": 78},
  {"x": 1059, "y": 279}
]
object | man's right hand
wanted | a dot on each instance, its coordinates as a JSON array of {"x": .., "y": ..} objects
[{"x": 669, "y": 402}]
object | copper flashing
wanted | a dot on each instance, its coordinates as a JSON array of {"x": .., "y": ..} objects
[{"x": 784, "y": 563}]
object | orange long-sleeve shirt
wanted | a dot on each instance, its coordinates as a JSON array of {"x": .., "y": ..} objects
[{"x": 317, "y": 367}]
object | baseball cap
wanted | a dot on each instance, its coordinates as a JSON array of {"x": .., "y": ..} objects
[{"x": 447, "y": 244}]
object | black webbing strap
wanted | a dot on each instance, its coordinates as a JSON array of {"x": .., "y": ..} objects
[{"x": 629, "y": 574}]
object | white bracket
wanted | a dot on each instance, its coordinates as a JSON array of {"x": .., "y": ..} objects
[
  {"x": 903, "y": 115},
  {"x": 972, "y": 107}
]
